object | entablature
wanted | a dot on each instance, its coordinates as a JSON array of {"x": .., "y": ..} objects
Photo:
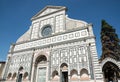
[{"x": 60, "y": 38}]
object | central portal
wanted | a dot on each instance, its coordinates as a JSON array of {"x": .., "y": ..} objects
[
  {"x": 40, "y": 69},
  {"x": 64, "y": 76},
  {"x": 41, "y": 75}
]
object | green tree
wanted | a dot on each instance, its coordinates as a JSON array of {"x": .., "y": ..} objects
[{"x": 110, "y": 42}]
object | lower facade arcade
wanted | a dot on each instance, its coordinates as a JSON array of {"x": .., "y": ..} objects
[{"x": 63, "y": 63}]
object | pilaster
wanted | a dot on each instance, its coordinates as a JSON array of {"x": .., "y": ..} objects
[{"x": 96, "y": 66}]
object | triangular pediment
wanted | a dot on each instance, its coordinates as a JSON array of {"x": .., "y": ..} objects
[{"x": 48, "y": 10}]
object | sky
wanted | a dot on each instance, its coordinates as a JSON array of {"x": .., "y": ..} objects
[{"x": 15, "y": 17}]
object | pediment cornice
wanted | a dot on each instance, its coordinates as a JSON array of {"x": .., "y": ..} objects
[{"x": 47, "y": 11}]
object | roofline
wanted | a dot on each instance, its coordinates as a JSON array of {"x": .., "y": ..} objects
[
  {"x": 62, "y": 8},
  {"x": 2, "y": 62}
]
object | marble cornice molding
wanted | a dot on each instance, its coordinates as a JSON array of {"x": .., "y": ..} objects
[
  {"x": 55, "y": 34},
  {"x": 52, "y": 45}
]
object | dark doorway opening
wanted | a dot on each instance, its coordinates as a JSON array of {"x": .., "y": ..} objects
[
  {"x": 111, "y": 73},
  {"x": 20, "y": 78},
  {"x": 64, "y": 76}
]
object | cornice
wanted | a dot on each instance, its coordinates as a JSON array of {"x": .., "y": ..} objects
[
  {"x": 54, "y": 44},
  {"x": 60, "y": 33}
]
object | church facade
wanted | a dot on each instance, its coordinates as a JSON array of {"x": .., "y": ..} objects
[{"x": 55, "y": 48}]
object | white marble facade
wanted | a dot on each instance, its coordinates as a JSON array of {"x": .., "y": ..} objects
[{"x": 55, "y": 48}]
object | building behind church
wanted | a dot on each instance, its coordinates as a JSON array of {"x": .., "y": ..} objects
[
  {"x": 55, "y": 48},
  {"x": 2, "y": 65}
]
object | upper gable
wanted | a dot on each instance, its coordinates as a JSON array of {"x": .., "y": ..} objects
[
  {"x": 48, "y": 10},
  {"x": 56, "y": 19}
]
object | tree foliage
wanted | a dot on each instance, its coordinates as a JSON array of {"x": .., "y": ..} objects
[{"x": 110, "y": 42}]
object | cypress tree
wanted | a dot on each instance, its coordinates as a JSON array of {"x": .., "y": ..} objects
[{"x": 110, "y": 42}]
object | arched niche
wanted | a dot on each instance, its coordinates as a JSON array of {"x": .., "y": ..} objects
[
  {"x": 9, "y": 76},
  {"x": 14, "y": 76},
  {"x": 25, "y": 76},
  {"x": 74, "y": 74},
  {"x": 55, "y": 76},
  {"x": 84, "y": 74}
]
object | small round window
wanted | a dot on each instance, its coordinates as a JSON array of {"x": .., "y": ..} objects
[{"x": 46, "y": 31}]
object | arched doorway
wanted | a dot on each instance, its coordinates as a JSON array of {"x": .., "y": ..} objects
[
  {"x": 110, "y": 72},
  {"x": 64, "y": 72},
  {"x": 40, "y": 68},
  {"x": 19, "y": 77}
]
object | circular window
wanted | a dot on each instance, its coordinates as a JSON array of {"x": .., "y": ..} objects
[{"x": 46, "y": 31}]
